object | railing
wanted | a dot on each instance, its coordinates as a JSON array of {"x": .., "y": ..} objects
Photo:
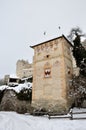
[
  {"x": 51, "y": 115},
  {"x": 78, "y": 115},
  {"x": 72, "y": 115}
]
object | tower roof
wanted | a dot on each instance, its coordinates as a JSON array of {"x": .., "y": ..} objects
[{"x": 52, "y": 40}]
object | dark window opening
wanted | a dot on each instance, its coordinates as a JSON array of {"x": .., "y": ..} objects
[
  {"x": 47, "y": 56},
  {"x": 12, "y": 80},
  {"x": 69, "y": 72}
]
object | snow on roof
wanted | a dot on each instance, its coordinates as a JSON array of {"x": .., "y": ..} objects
[
  {"x": 21, "y": 86},
  {"x": 17, "y": 88},
  {"x": 27, "y": 77},
  {"x": 14, "y": 76}
]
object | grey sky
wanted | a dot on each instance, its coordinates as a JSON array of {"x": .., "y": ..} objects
[{"x": 22, "y": 23}]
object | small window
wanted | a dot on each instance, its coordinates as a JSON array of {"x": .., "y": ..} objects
[
  {"x": 69, "y": 72},
  {"x": 47, "y": 56}
]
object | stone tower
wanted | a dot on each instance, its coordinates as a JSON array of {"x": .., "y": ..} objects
[
  {"x": 23, "y": 69},
  {"x": 52, "y": 63}
]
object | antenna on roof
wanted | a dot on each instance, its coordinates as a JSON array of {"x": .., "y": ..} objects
[
  {"x": 59, "y": 27},
  {"x": 44, "y": 33},
  {"x": 60, "y": 30}
]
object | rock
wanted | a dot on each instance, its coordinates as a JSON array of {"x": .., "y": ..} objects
[{"x": 11, "y": 103}]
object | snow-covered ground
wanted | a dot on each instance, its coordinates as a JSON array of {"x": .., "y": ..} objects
[{"x": 14, "y": 121}]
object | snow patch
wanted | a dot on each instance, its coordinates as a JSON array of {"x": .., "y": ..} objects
[
  {"x": 14, "y": 121},
  {"x": 17, "y": 88}
]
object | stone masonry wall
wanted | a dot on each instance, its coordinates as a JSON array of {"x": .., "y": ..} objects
[
  {"x": 49, "y": 77},
  {"x": 24, "y": 69}
]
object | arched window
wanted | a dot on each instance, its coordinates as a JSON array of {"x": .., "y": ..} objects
[{"x": 47, "y": 70}]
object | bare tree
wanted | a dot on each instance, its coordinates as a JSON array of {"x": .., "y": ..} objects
[{"x": 76, "y": 32}]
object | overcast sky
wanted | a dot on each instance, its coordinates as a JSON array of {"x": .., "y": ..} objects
[{"x": 23, "y": 22}]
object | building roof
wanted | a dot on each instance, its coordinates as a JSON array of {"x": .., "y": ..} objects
[
  {"x": 14, "y": 76},
  {"x": 52, "y": 40}
]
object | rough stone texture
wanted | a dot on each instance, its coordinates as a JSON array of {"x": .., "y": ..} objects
[
  {"x": 11, "y": 103},
  {"x": 52, "y": 72},
  {"x": 56, "y": 106}
]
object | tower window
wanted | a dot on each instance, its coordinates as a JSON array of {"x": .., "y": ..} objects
[
  {"x": 47, "y": 56},
  {"x": 47, "y": 72},
  {"x": 68, "y": 70}
]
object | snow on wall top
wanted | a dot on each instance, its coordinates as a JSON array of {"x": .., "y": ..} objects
[
  {"x": 14, "y": 76},
  {"x": 17, "y": 88}
]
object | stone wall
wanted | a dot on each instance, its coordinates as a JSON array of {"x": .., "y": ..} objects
[
  {"x": 24, "y": 69},
  {"x": 52, "y": 72}
]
